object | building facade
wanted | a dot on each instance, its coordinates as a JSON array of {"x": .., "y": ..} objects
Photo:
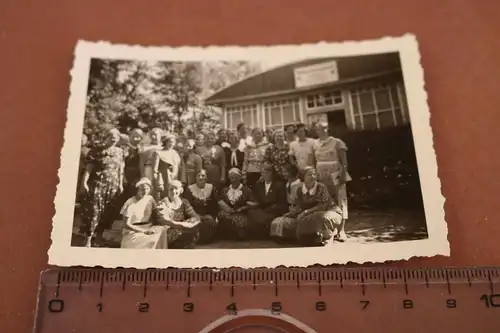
[{"x": 351, "y": 94}]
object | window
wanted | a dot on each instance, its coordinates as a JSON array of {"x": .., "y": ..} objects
[
  {"x": 242, "y": 114},
  {"x": 320, "y": 100},
  {"x": 281, "y": 113},
  {"x": 376, "y": 107}
]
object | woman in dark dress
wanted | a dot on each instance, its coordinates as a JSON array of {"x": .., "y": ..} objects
[
  {"x": 132, "y": 171},
  {"x": 102, "y": 184},
  {"x": 234, "y": 156},
  {"x": 270, "y": 196},
  {"x": 203, "y": 198},
  {"x": 234, "y": 202},
  {"x": 277, "y": 155}
]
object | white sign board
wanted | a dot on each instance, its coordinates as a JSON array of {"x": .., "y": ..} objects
[{"x": 316, "y": 74}]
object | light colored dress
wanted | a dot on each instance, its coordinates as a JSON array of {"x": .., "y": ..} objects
[
  {"x": 303, "y": 152},
  {"x": 328, "y": 166},
  {"x": 139, "y": 212},
  {"x": 284, "y": 226},
  {"x": 146, "y": 158}
]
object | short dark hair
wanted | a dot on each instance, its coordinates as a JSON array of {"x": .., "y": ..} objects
[
  {"x": 292, "y": 169},
  {"x": 299, "y": 126},
  {"x": 239, "y": 126}
]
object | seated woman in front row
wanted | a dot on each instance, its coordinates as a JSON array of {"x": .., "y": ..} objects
[
  {"x": 139, "y": 231},
  {"x": 318, "y": 218},
  {"x": 282, "y": 227},
  {"x": 270, "y": 196},
  {"x": 180, "y": 218},
  {"x": 234, "y": 202},
  {"x": 203, "y": 198}
]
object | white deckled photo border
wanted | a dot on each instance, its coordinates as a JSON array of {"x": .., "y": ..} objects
[{"x": 61, "y": 252}]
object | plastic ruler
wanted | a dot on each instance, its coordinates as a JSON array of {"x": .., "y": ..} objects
[{"x": 280, "y": 300}]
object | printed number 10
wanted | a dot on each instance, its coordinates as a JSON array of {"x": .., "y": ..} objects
[{"x": 491, "y": 301}]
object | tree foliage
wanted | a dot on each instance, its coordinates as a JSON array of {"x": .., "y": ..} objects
[{"x": 169, "y": 95}]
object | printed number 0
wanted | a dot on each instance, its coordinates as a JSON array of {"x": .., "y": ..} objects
[{"x": 276, "y": 308}]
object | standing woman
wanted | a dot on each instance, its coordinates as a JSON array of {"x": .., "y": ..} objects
[
  {"x": 277, "y": 155},
  {"x": 148, "y": 154},
  {"x": 331, "y": 164},
  {"x": 214, "y": 161},
  {"x": 222, "y": 139},
  {"x": 203, "y": 198},
  {"x": 132, "y": 170},
  {"x": 234, "y": 156},
  {"x": 102, "y": 183},
  {"x": 167, "y": 166},
  {"x": 192, "y": 162},
  {"x": 270, "y": 135},
  {"x": 254, "y": 157}
]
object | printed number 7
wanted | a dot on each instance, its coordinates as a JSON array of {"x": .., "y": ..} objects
[{"x": 365, "y": 304}]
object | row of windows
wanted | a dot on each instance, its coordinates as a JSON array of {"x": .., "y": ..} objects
[
  {"x": 330, "y": 98},
  {"x": 378, "y": 107}
]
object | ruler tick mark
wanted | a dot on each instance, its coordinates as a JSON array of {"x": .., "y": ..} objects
[
  {"x": 492, "y": 291},
  {"x": 298, "y": 280},
  {"x": 254, "y": 281},
  {"x": 426, "y": 280},
  {"x": 319, "y": 285},
  {"x": 406, "y": 283},
  {"x": 232, "y": 285},
  {"x": 276, "y": 288},
  {"x": 145, "y": 289},
  {"x": 448, "y": 285},
  {"x": 101, "y": 287},
  {"x": 469, "y": 282},
  {"x": 58, "y": 283},
  {"x": 80, "y": 281},
  {"x": 384, "y": 280},
  {"x": 188, "y": 291},
  {"x": 363, "y": 287}
]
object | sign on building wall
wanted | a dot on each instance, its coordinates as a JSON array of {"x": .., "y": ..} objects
[
  {"x": 325, "y": 72},
  {"x": 317, "y": 118}
]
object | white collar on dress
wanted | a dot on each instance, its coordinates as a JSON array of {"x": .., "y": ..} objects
[{"x": 312, "y": 191}]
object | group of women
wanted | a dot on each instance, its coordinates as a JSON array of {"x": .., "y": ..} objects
[{"x": 179, "y": 193}]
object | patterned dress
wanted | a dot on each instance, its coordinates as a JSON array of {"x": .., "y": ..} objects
[
  {"x": 235, "y": 225},
  {"x": 317, "y": 227},
  {"x": 252, "y": 164},
  {"x": 278, "y": 157},
  {"x": 102, "y": 203},
  {"x": 204, "y": 202},
  {"x": 179, "y": 238},
  {"x": 271, "y": 200},
  {"x": 214, "y": 160}
]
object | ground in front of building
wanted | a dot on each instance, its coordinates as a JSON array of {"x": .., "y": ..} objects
[{"x": 362, "y": 227}]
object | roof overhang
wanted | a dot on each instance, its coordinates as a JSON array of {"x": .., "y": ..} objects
[{"x": 271, "y": 94}]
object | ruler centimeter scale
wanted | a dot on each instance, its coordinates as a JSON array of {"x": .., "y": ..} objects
[{"x": 269, "y": 300}]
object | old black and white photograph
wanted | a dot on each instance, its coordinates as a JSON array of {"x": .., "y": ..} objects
[{"x": 247, "y": 156}]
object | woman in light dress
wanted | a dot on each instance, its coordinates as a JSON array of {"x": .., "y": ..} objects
[
  {"x": 254, "y": 157},
  {"x": 139, "y": 231},
  {"x": 167, "y": 166},
  {"x": 177, "y": 214},
  {"x": 317, "y": 218},
  {"x": 331, "y": 164},
  {"x": 283, "y": 226}
]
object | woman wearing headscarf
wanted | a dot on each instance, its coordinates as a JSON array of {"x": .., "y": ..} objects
[
  {"x": 214, "y": 160},
  {"x": 284, "y": 226},
  {"x": 254, "y": 157},
  {"x": 192, "y": 162},
  {"x": 277, "y": 155},
  {"x": 234, "y": 156},
  {"x": 317, "y": 218},
  {"x": 234, "y": 201},
  {"x": 270, "y": 196},
  {"x": 331, "y": 164},
  {"x": 102, "y": 183},
  {"x": 179, "y": 217},
  {"x": 139, "y": 231},
  {"x": 203, "y": 198},
  {"x": 147, "y": 156},
  {"x": 167, "y": 166}
]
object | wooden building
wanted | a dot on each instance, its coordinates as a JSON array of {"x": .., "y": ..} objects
[{"x": 351, "y": 93}]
